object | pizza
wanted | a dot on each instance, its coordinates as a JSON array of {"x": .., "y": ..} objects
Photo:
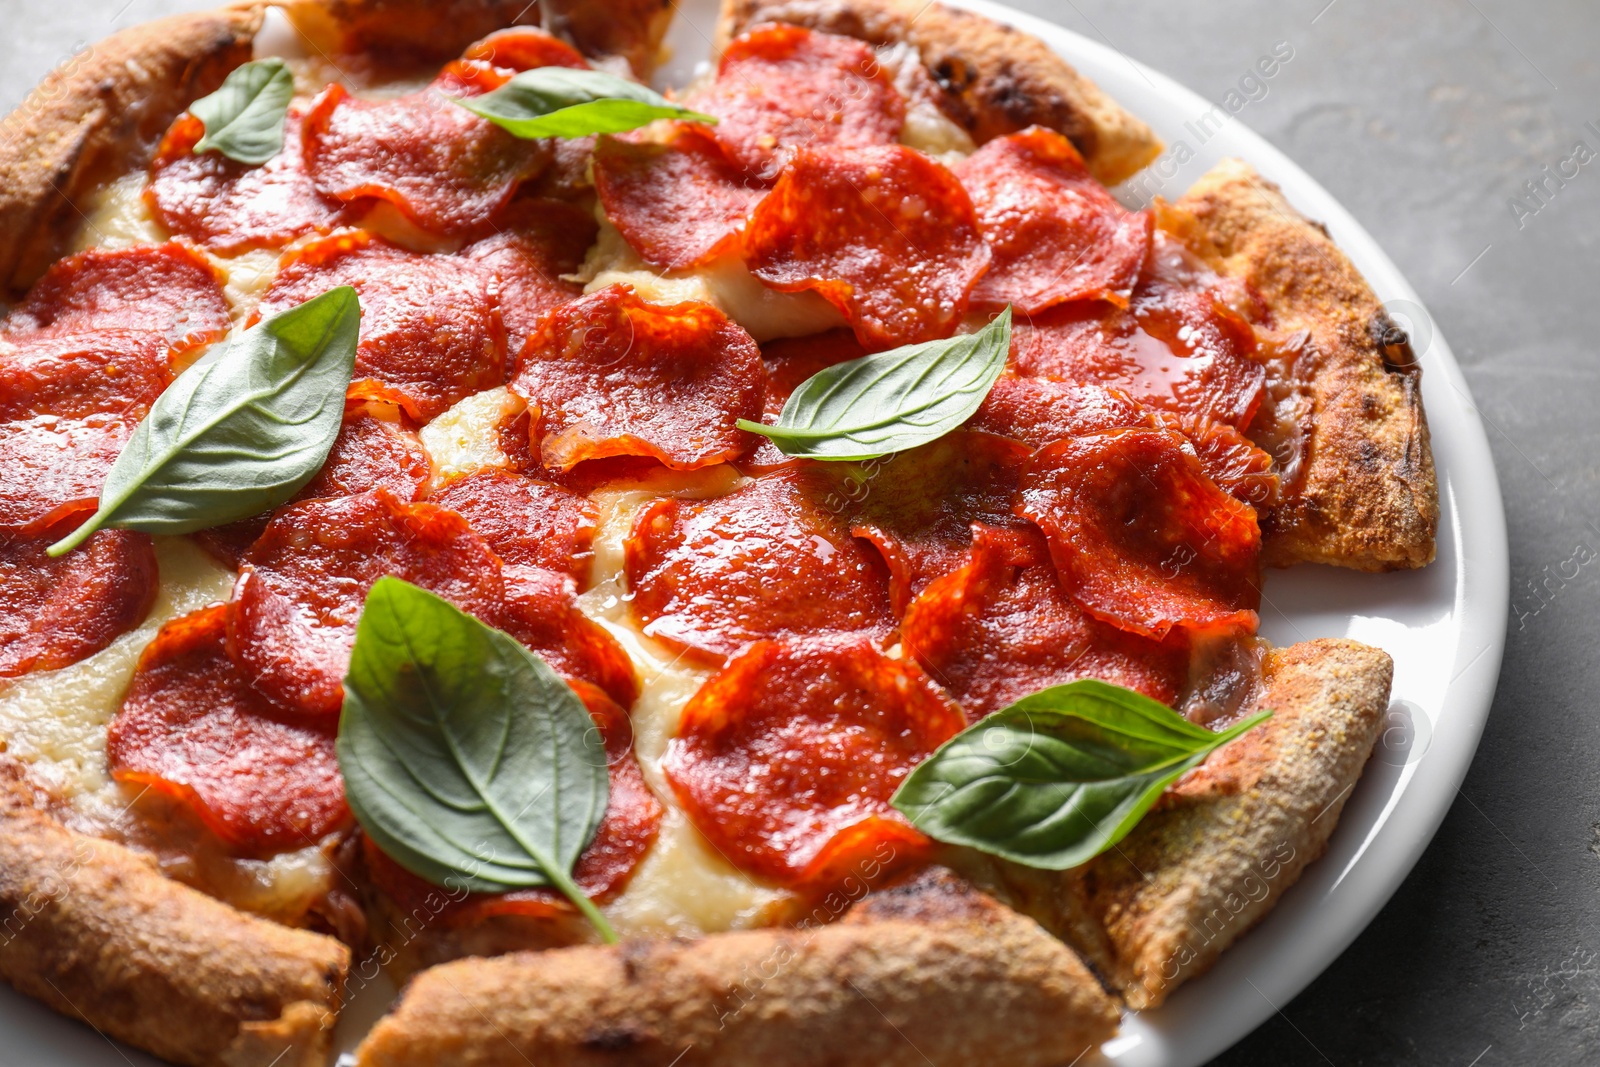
[{"x": 747, "y": 574}]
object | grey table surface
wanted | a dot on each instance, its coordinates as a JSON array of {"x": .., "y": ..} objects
[{"x": 1428, "y": 119}]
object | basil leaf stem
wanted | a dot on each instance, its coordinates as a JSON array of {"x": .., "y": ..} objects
[
  {"x": 239, "y": 432},
  {"x": 244, "y": 117},
  {"x": 891, "y": 401},
  {"x": 1058, "y": 777},
  {"x": 465, "y": 757},
  {"x": 567, "y": 102}
]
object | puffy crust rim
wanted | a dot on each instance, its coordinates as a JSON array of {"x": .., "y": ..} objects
[
  {"x": 97, "y": 932},
  {"x": 1368, "y": 499}
]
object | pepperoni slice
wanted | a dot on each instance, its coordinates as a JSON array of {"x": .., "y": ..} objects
[
  {"x": 627, "y": 830},
  {"x": 231, "y": 207},
  {"x": 781, "y": 86},
  {"x": 54, "y": 612},
  {"x": 1143, "y": 539},
  {"x": 168, "y": 289},
  {"x": 886, "y": 235},
  {"x": 1037, "y": 411},
  {"x": 447, "y": 169},
  {"x": 524, "y": 48},
  {"x": 1055, "y": 232},
  {"x": 789, "y": 361},
  {"x": 794, "y": 743},
  {"x": 645, "y": 185},
  {"x": 192, "y": 726},
  {"x": 429, "y": 332},
  {"x": 1001, "y": 627},
  {"x": 68, "y": 404},
  {"x": 540, "y": 611},
  {"x": 539, "y": 241},
  {"x": 918, "y": 507},
  {"x": 372, "y": 451},
  {"x": 300, "y": 593},
  {"x": 772, "y": 559},
  {"x": 1228, "y": 458},
  {"x": 75, "y": 375},
  {"x": 1172, "y": 348},
  {"x": 613, "y": 375},
  {"x": 528, "y": 523}
]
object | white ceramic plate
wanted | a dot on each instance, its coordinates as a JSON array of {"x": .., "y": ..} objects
[{"x": 1444, "y": 626}]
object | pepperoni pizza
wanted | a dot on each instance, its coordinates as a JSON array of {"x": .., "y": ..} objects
[{"x": 575, "y": 423}]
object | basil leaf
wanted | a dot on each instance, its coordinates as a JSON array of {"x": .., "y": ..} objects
[
  {"x": 244, "y": 117},
  {"x": 1058, "y": 777},
  {"x": 239, "y": 432},
  {"x": 891, "y": 401},
  {"x": 465, "y": 757},
  {"x": 567, "y": 102}
]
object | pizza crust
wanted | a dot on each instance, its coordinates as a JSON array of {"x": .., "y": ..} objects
[
  {"x": 933, "y": 968},
  {"x": 95, "y": 930},
  {"x": 1368, "y": 499},
  {"x": 1222, "y": 846},
  {"x": 997, "y": 80},
  {"x": 96, "y": 115}
]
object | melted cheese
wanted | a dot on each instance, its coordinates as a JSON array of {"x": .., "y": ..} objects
[
  {"x": 466, "y": 438},
  {"x": 724, "y": 282},
  {"x": 683, "y": 886},
  {"x": 117, "y": 217}
]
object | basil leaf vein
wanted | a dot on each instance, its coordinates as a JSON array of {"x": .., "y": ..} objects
[
  {"x": 567, "y": 102},
  {"x": 465, "y": 757},
  {"x": 239, "y": 432},
  {"x": 1058, "y": 777},
  {"x": 244, "y": 117},
  {"x": 891, "y": 401}
]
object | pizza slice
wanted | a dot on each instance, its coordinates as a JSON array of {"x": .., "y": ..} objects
[{"x": 564, "y": 345}]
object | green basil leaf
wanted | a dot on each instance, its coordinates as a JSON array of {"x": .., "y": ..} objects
[
  {"x": 567, "y": 102},
  {"x": 465, "y": 757},
  {"x": 891, "y": 401},
  {"x": 239, "y": 432},
  {"x": 1058, "y": 777},
  {"x": 244, "y": 117}
]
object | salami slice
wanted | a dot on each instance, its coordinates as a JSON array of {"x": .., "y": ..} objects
[
  {"x": 789, "y": 361},
  {"x": 68, "y": 404},
  {"x": 772, "y": 559},
  {"x": 372, "y": 451},
  {"x": 429, "y": 332},
  {"x": 75, "y": 375},
  {"x": 885, "y": 234},
  {"x": 627, "y": 830},
  {"x": 1142, "y": 538},
  {"x": 263, "y": 779},
  {"x": 294, "y": 611},
  {"x": 528, "y": 523},
  {"x": 524, "y": 48},
  {"x": 1055, "y": 233},
  {"x": 540, "y": 611},
  {"x": 645, "y": 187},
  {"x": 231, "y": 207},
  {"x": 794, "y": 743},
  {"x": 1000, "y": 627},
  {"x": 1173, "y": 349},
  {"x": 539, "y": 241},
  {"x": 1038, "y": 411},
  {"x": 613, "y": 375},
  {"x": 917, "y": 507},
  {"x": 447, "y": 169},
  {"x": 779, "y": 87},
  {"x": 1228, "y": 458},
  {"x": 54, "y": 612},
  {"x": 167, "y": 289}
]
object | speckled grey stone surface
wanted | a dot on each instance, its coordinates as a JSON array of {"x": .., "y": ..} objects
[{"x": 1426, "y": 118}]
